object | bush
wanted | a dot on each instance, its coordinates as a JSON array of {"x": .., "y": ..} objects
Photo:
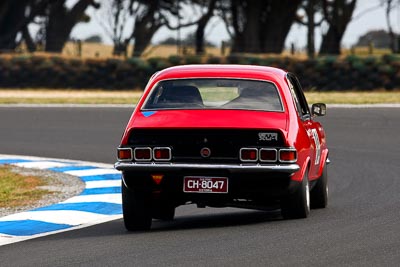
[
  {"x": 158, "y": 63},
  {"x": 192, "y": 60},
  {"x": 325, "y": 73},
  {"x": 175, "y": 60},
  {"x": 214, "y": 60}
]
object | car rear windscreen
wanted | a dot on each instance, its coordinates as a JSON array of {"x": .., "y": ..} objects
[{"x": 214, "y": 94}]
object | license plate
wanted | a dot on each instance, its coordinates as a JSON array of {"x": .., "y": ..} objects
[{"x": 196, "y": 184}]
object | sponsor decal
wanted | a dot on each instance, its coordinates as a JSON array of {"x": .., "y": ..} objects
[
  {"x": 148, "y": 113},
  {"x": 317, "y": 146},
  {"x": 267, "y": 136}
]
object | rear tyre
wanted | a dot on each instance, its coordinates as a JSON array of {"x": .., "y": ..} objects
[
  {"x": 319, "y": 194},
  {"x": 297, "y": 205},
  {"x": 164, "y": 211},
  {"x": 136, "y": 208}
]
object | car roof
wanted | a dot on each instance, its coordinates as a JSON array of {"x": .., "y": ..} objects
[{"x": 221, "y": 71}]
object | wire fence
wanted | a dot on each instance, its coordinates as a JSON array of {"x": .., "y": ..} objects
[{"x": 77, "y": 48}]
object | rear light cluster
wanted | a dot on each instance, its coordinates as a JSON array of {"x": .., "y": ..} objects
[
  {"x": 268, "y": 155},
  {"x": 143, "y": 154}
]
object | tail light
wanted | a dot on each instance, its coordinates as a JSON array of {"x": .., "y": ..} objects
[
  {"x": 288, "y": 155},
  {"x": 124, "y": 154},
  {"x": 162, "y": 153},
  {"x": 268, "y": 155},
  {"x": 157, "y": 178},
  {"x": 248, "y": 154},
  {"x": 142, "y": 153}
]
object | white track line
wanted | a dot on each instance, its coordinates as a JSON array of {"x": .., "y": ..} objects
[
  {"x": 42, "y": 165},
  {"x": 108, "y": 198},
  {"x": 103, "y": 183},
  {"x": 92, "y": 172},
  {"x": 69, "y": 217}
]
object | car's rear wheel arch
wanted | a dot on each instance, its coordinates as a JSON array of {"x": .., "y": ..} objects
[
  {"x": 319, "y": 194},
  {"x": 324, "y": 161},
  {"x": 298, "y": 176}
]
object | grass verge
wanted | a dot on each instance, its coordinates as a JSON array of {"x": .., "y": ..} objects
[
  {"x": 57, "y": 96},
  {"x": 383, "y": 97},
  {"x": 45, "y": 96},
  {"x": 18, "y": 190}
]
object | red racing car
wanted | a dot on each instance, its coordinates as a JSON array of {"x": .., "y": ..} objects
[{"x": 222, "y": 136}]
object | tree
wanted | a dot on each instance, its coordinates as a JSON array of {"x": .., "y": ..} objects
[
  {"x": 259, "y": 26},
  {"x": 61, "y": 20},
  {"x": 154, "y": 15},
  {"x": 148, "y": 17},
  {"x": 202, "y": 23},
  {"x": 58, "y": 21},
  {"x": 115, "y": 21},
  {"x": 310, "y": 8},
  {"x": 338, "y": 14},
  {"x": 389, "y": 6},
  {"x": 11, "y": 13},
  {"x": 15, "y": 17},
  {"x": 149, "y": 21}
]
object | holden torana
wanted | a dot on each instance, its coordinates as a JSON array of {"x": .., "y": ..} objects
[{"x": 222, "y": 136}]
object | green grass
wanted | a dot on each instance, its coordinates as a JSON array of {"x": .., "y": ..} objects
[
  {"x": 55, "y": 100},
  {"x": 18, "y": 190},
  {"x": 354, "y": 97},
  {"x": 41, "y": 96},
  {"x": 57, "y": 96}
]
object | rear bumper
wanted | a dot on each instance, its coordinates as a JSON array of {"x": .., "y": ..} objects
[
  {"x": 231, "y": 168},
  {"x": 253, "y": 182}
]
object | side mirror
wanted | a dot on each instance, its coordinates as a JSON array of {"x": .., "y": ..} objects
[{"x": 318, "y": 109}]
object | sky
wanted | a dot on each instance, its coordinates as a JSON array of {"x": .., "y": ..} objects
[{"x": 216, "y": 32}]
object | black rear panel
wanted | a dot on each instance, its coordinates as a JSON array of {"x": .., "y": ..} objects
[{"x": 223, "y": 144}]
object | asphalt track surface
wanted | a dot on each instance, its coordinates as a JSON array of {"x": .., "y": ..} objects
[{"x": 361, "y": 226}]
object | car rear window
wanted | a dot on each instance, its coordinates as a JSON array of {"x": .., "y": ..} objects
[{"x": 214, "y": 94}]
